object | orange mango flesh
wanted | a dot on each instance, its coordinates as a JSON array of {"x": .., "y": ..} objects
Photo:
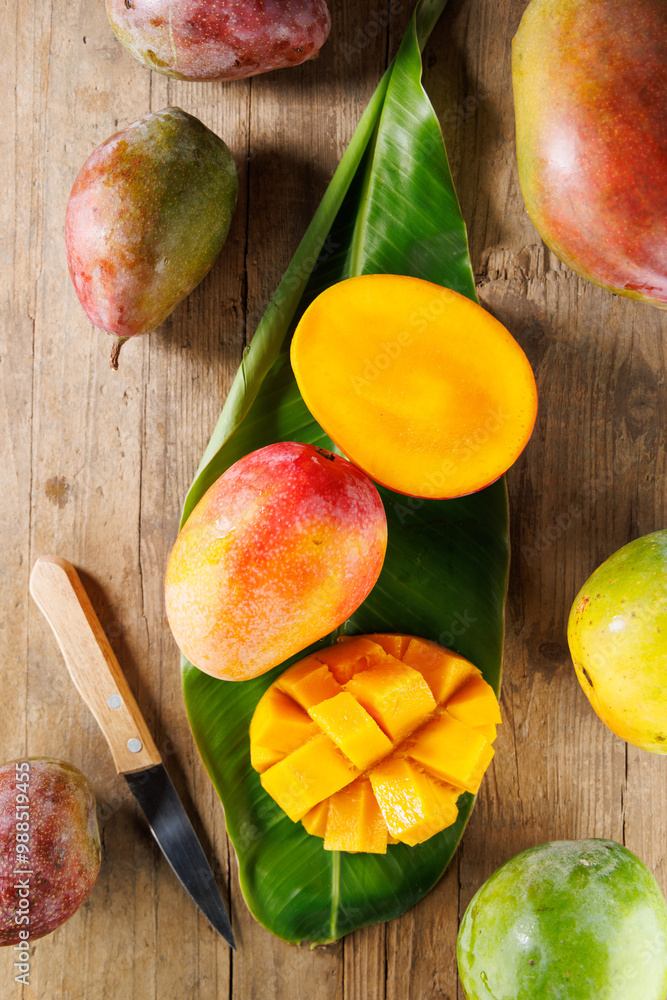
[
  {"x": 277, "y": 728},
  {"x": 420, "y": 387},
  {"x": 415, "y": 806},
  {"x": 452, "y": 751},
  {"x": 354, "y": 821},
  {"x": 362, "y": 748},
  {"x": 352, "y": 729}
]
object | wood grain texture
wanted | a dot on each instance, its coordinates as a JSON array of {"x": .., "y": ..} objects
[{"x": 96, "y": 466}]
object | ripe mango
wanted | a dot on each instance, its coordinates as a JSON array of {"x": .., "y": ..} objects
[
  {"x": 590, "y": 94},
  {"x": 49, "y": 846},
  {"x": 567, "y": 920},
  {"x": 146, "y": 219},
  {"x": 220, "y": 39},
  {"x": 617, "y": 633},
  {"x": 280, "y": 551}
]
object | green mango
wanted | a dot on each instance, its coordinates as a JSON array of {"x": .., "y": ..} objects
[
  {"x": 567, "y": 920},
  {"x": 146, "y": 219},
  {"x": 617, "y": 632}
]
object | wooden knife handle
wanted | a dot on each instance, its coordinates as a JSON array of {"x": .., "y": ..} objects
[{"x": 97, "y": 676}]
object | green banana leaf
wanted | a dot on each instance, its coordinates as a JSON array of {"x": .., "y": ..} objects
[{"x": 391, "y": 207}]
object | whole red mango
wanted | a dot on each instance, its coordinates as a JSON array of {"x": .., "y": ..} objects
[
  {"x": 220, "y": 39},
  {"x": 590, "y": 92},
  {"x": 49, "y": 846}
]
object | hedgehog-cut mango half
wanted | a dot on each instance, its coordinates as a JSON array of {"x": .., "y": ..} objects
[
  {"x": 371, "y": 741},
  {"x": 419, "y": 386}
]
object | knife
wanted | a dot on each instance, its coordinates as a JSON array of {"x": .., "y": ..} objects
[{"x": 60, "y": 596}]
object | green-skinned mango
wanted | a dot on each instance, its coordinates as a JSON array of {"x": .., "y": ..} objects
[
  {"x": 146, "y": 219},
  {"x": 567, "y": 920},
  {"x": 617, "y": 632}
]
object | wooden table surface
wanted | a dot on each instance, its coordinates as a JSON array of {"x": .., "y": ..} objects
[{"x": 95, "y": 466}]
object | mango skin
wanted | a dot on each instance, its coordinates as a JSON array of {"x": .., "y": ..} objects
[
  {"x": 64, "y": 845},
  {"x": 617, "y": 632},
  {"x": 567, "y": 920},
  {"x": 146, "y": 219},
  {"x": 220, "y": 39},
  {"x": 590, "y": 94},
  {"x": 280, "y": 551}
]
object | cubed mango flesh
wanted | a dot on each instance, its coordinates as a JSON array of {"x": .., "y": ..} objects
[
  {"x": 452, "y": 751},
  {"x": 352, "y": 729},
  {"x": 350, "y": 655},
  {"x": 392, "y": 643},
  {"x": 414, "y": 805},
  {"x": 315, "y": 820},
  {"x": 308, "y": 682},
  {"x": 443, "y": 670},
  {"x": 475, "y": 703},
  {"x": 307, "y": 776},
  {"x": 355, "y": 821},
  {"x": 278, "y": 726},
  {"x": 372, "y": 755},
  {"x": 395, "y": 695},
  {"x": 488, "y": 730}
]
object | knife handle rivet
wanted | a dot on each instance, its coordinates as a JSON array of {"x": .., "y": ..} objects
[
  {"x": 114, "y": 701},
  {"x": 134, "y": 745}
]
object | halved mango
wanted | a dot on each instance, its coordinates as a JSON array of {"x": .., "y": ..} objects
[
  {"x": 418, "y": 385},
  {"x": 387, "y": 761}
]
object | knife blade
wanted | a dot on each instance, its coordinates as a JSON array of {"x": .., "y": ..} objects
[{"x": 58, "y": 592}]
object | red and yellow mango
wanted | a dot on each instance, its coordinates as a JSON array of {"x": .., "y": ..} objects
[{"x": 280, "y": 551}]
